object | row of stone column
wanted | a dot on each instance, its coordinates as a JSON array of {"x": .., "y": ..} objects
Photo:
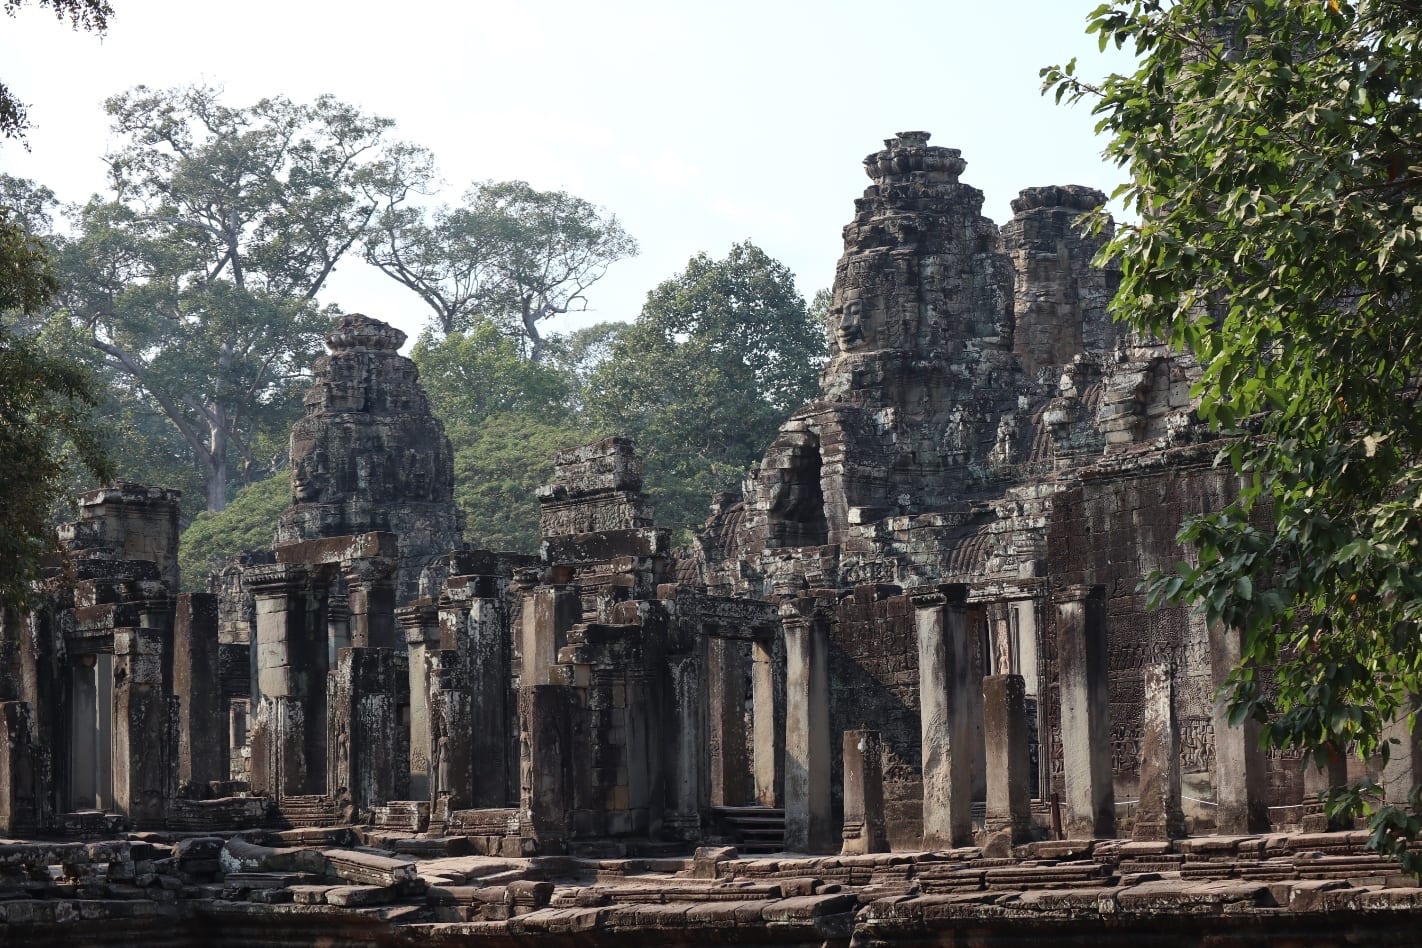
[{"x": 969, "y": 724}]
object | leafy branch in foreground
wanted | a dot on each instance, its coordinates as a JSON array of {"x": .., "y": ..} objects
[{"x": 1274, "y": 158}]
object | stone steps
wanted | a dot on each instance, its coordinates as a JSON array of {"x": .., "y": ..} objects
[{"x": 753, "y": 829}]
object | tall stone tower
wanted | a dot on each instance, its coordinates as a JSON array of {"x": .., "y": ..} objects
[{"x": 369, "y": 455}]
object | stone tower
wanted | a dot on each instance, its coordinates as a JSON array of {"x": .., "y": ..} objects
[
  {"x": 921, "y": 372},
  {"x": 369, "y": 455}
]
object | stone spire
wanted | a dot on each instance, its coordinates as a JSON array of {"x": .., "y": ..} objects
[
  {"x": 1060, "y": 297},
  {"x": 369, "y": 455},
  {"x": 921, "y": 278}
]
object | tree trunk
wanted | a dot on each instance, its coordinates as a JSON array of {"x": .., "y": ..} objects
[{"x": 216, "y": 474}]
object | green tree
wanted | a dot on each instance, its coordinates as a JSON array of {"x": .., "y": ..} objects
[
  {"x": 719, "y": 356},
  {"x": 249, "y": 522},
  {"x": 197, "y": 280},
  {"x": 91, "y": 15},
  {"x": 44, "y": 406},
  {"x": 506, "y": 418},
  {"x": 510, "y": 254},
  {"x": 1272, "y": 155}
]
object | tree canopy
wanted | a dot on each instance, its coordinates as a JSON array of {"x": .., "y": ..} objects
[
  {"x": 1273, "y": 161},
  {"x": 196, "y": 279},
  {"x": 510, "y": 254},
  {"x": 720, "y": 354},
  {"x": 44, "y": 415}
]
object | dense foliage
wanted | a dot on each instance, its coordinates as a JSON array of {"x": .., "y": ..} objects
[
  {"x": 720, "y": 354},
  {"x": 247, "y": 523},
  {"x": 45, "y": 400},
  {"x": 1272, "y": 148}
]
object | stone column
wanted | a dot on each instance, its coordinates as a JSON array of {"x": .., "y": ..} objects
[
  {"x": 202, "y": 724},
  {"x": 145, "y": 771},
  {"x": 1009, "y": 799},
  {"x": 1158, "y": 812},
  {"x": 1089, "y": 797},
  {"x": 1403, "y": 770},
  {"x": 277, "y": 738},
  {"x": 689, "y": 796},
  {"x": 371, "y": 582},
  {"x": 366, "y": 759},
  {"x": 808, "y": 804},
  {"x": 726, "y": 690},
  {"x": 83, "y": 735},
  {"x": 1241, "y": 777},
  {"x": 945, "y": 686},
  {"x": 22, "y": 792},
  {"x": 452, "y": 764},
  {"x": 545, "y": 784},
  {"x": 768, "y": 752},
  {"x": 419, "y": 623},
  {"x": 863, "y": 794},
  {"x": 485, "y": 650},
  {"x": 104, "y": 766}
]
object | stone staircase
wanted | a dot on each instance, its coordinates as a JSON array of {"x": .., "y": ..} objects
[
  {"x": 754, "y": 830},
  {"x": 306, "y": 810}
]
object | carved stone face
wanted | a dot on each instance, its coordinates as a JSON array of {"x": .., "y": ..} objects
[{"x": 849, "y": 330}]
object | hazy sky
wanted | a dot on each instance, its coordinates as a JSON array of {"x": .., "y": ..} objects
[{"x": 698, "y": 124}]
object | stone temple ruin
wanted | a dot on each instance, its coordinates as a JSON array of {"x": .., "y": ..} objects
[{"x": 903, "y": 687}]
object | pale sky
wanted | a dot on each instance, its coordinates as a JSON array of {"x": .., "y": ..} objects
[{"x": 698, "y": 125}]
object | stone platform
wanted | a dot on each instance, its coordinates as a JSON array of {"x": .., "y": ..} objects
[{"x": 328, "y": 885}]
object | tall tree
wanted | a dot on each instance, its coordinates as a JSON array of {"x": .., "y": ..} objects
[
  {"x": 1273, "y": 161},
  {"x": 506, "y": 417},
  {"x": 510, "y": 254},
  {"x": 720, "y": 354},
  {"x": 197, "y": 279}
]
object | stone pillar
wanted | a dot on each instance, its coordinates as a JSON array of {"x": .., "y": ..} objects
[
  {"x": 278, "y": 730},
  {"x": 83, "y": 735},
  {"x": 145, "y": 746},
  {"x": 368, "y": 758},
  {"x": 1158, "y": 812},
  {"x": 548, "y": 613},
  {"x": 945, "y": 686},
  {"x": 545, "y": 785},
  {"x": 1088, "y": 794},
  {"x": 979, "y": 644},
  {"x": 726, "y": 691},
  {"x": 202, "y": 724},
  {"x": 808, "y": 804},
  {"x": 104, "y": 766},
  {"x": 863, "y": 794},
  {"x": 453, "y": 756},
  {"x": 370, "y": 583},
  {"x": 485, "y": 650},
  {"x": 768, "y": 751},
  {"x": 1009, "y": 798},
  {"x": 689, "y": 784},
  {"x": 1241, "y": 777},
  {"x": 21, "y": 791},
  {"x": 1403, "y": 770},
  {"x": 419, "y": 623}
]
